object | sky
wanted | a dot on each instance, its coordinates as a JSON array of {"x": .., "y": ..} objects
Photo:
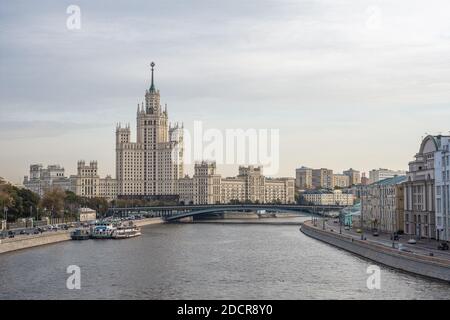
[{"x": 348, "y": 83}]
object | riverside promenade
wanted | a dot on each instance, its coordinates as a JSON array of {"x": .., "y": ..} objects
[
  {"x": 20, "y": 242},
  {"x": 420, "y": 263}
]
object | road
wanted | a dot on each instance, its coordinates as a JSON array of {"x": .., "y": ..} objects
[{"x": 422, "y": 247}]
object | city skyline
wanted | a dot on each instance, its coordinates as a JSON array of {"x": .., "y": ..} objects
[{"x": 279, "y": 62}]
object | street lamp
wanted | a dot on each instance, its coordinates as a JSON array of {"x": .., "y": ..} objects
[{"x": 5, "y": 209}]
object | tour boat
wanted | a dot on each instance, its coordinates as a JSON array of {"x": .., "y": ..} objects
[
  {"x": 102, "y": 230},
  {"x": 80, "y": 234},
  {"x": 124, "y": 232}
]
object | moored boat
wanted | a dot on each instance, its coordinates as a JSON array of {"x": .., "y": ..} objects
[
  {"x": 80, "y": 234},
  {"x": 102, "y": 230},
  {"x": 124, "y": 232}
]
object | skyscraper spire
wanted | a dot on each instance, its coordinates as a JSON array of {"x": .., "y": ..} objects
[{"x": 152, "y": 87}]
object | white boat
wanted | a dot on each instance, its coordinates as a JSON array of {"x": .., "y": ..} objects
[
  {"x": 102, "y": 230},
  {"x": 124, "y": 232}
]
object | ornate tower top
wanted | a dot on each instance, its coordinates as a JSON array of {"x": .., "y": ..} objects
[{"x": 152, "y": 87}]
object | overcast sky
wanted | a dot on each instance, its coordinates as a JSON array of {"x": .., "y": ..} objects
[{"x": 349, "y": 83}]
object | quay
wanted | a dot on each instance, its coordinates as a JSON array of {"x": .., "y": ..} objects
[
  {"x": 416, "y": 263},
  {"x": 20, "y": 242},
  {"x": 250, "y": 221}
]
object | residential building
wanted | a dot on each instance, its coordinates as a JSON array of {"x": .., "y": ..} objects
[
  {"x": 43, "y": 179},
  {"x": 382, "y": 205},
  {"x": 327, "y": 197},
  {"x": 87, "y": 183},
  {"x": 303, "y": 178},
  {"x": 341, "y": 181},
  {"x": 420, "y": 218},
  {"x": 364, "y": 179},
  {"x": 376, "y": 175},
  {"x": 354, "y": 176},
  {"x": 207, "y": 187},
  {"x": 322, "y": 178},
  {"x": 153, "y": 164},
  {"x": 442, "y": 183}
]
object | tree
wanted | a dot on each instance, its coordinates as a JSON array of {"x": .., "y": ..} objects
[
  {"x": 53, "y": 201},
  {"x": 98, "y": 204},
  {"x": 29, "y": 199}
]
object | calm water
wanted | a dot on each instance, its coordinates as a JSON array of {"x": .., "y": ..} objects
[{"x": 204, "y": 261}]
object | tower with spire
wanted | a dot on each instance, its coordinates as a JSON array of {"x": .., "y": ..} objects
[{"x": 153, "y": 164}]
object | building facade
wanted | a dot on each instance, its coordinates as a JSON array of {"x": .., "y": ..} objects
[
  {"x": 43, "y": 179},
  {"x": 420, "y": 218},
  {"x": 86, "y": 214},
  {"x": 303, "y": 178},
  {"x": 376, "y": 175},
  {"x": 208, "y": 187},
  {"x": 154, "y": 163},
  {"x": 442, "y": 186},
  {"x": 341, "y": 181},
  {"x": 364, "y": 179},
  {"x": 87, "y": 183},
  {"x": 322, "y": 178},
  {"x": 328, "y": 198},
  {"x": 382, "y": 205},
  {"x": 353, "y": 175}
]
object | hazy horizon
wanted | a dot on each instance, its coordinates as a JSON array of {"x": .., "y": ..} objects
[{"x": 348, "y": 83}]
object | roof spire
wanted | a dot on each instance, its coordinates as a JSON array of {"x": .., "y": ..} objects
[{"x": 152, "y": 87}]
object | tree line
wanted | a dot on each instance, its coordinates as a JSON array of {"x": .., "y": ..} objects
[{"x": 56, "y": 203}]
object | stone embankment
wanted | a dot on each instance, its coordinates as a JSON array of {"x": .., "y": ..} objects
[
  {"x": 29, "y": 241},
  {"x": 428, "y": 266},
  {"x": 20, "y": 242}
]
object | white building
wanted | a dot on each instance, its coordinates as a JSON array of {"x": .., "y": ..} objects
[
  {"x": 376, "y": 175},
  {"x": 420, "y": 218},
  {"x": 87, "y": 214},
  {"x": 43, "y": 179},
  {"x": 208, "y": 187},
  {"x": 87, "y": 183},
  {"x": 153, "y": 164},
  {"x": 442, "y": 183},
  {"x": 328, "y": 198}
]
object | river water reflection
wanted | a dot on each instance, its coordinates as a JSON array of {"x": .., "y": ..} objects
[{"x": 205, "y": 261}]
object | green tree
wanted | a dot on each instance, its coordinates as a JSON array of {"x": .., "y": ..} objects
[
  {"x": 98, "y": 204},
  {"x": 53, "y": 202}
]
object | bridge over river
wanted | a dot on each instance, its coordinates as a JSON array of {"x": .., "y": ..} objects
[{"x": 172, "y": 213}]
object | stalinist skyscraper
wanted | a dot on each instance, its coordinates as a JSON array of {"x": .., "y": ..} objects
[{"x": 152, "y": 165}]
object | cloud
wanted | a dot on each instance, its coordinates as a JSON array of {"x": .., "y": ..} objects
[
  {"x": 32, "y": 130},
  {"x": 299, "y": 65}
]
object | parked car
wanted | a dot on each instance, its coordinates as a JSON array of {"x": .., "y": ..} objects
[
  {"x": 11, "y": 234},
  {"x": 395, "y": 237},
  {"x": 401, "y": 247},
  {"x": 375, "y": 234},
  {"x": 36, "y": 231},
  {"x": 443, "y": 246},
  {"x": 347, "y": 228},
  {"x": 412, "y": 241},
  {"x": 358, "y": 230}
]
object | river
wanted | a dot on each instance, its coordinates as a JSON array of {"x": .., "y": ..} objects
[{"x": 205, "y": 261}]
